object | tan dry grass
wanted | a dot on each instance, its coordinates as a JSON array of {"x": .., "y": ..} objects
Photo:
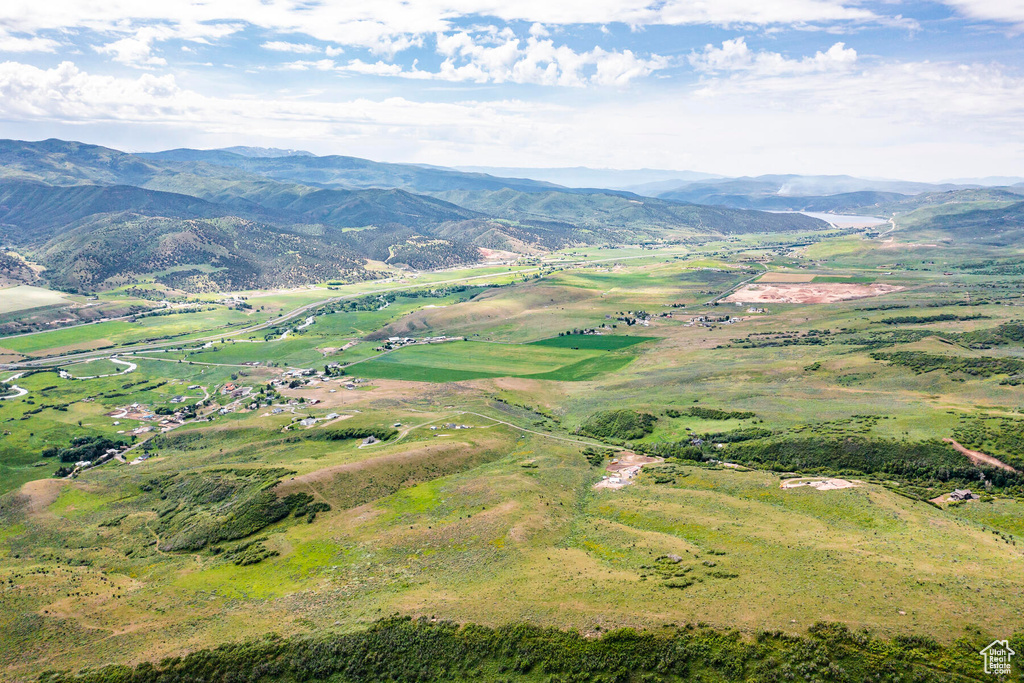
[{"x": 824, "y": 293}]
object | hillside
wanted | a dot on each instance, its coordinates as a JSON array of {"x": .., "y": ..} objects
[
  {"x": 197, "y": 220},
  {"x": 999, "y": 226},
  {"x": 348, "y": 172},
  {"x": 624, "y": 214},
  {"x": 228, "y": 253}
]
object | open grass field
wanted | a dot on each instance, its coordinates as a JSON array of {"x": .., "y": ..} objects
[
  {"x": 23, "y": 297},
  {"x": 478, "y": 504},
  {"x": 455, "y": 361}
]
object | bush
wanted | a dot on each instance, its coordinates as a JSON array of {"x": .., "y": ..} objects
[{"x": 618, "y": 424}]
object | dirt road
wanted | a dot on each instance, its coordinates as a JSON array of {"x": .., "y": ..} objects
[{"x": 979, "y": 458}]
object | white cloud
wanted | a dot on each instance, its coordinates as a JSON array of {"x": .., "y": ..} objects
[
  {"x": 735, "y": 56},
  {"x": 284, "y": 46},
  {"x": 502, "y": 57},
  {"x": 919, "y": 119},
  {"x": 387, "y": 27},
  {"x": 137, "y": 49},
  {"x": 9, "y": 43},
  {"x": 1003, "y": 11},
  {"x": 306, "y": 65},
  {"x": 132, "y": 51}
]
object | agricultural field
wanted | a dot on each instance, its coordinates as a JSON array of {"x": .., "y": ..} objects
[
  {"x": 22, "y": 297},
  {"x": 606, "y": 440}
]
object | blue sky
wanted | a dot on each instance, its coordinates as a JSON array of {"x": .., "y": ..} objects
[{"x": 917, "y": 90}]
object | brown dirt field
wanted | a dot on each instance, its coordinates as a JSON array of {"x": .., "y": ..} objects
[
  {"x": 823, "y": 293},
  {"x": 383, "y": 389},
  {"x": 979, "y": 458},
  {"x": 41, "y": 493},
  {"x": 786, "y": 277},
  {"x": 819, "y": 484},
  {"x": 8, "y": 356},
  {"x": 628, "y": 459}
]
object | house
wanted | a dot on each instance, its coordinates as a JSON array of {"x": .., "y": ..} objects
[
  {"x": 370, "y": 440},
  {"x": 331, "y": 416},
  {"x": 961, "y": 494},
  {"x": 308, "y": 422},
  {"x": 275, "y": 411}
]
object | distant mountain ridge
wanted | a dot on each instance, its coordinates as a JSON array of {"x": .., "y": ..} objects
[{"x": 237, "y": 218}]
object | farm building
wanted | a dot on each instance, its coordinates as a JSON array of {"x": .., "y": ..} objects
[{"x": 961, "y": 494}]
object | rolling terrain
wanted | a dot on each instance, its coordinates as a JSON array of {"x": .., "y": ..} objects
[
  {"x": 457, "y": 448},
  {"x": 306, "y": 219},
  {"x": 257, "y": 444}
]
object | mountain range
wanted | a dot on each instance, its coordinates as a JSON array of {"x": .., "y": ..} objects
[{"x": 245, "y": 217}]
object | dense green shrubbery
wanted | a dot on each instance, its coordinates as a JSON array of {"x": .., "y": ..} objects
[
  {"x": 400, "y": 649},
  {"x": 382, "y": 433},
  {"x": 911, "y": 461},
  {"x": 618, "y": 424},
  {"x": 983, "y": 366},
  {"x": 596, "y": 456},
  {"x": 198, "y": 510},
  {"x": 715, "y": 414},
  {"x": 1001, "y": 437},
  {"x": 919, "y": 319},
  {"x": 735, "y": 436},
  {"x": 83, "y": 448}
]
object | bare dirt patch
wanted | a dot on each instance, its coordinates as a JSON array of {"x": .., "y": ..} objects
[
  {"x": 819, "y": 484},
  {"x": 786, "y": 277},
  {"x": 623, "y": 468},
  {"x": 378, "y": 389},
  {"x": 979, "y": 458},
  {"x": 821, "y": 293},
  {"x": 41, "y": 493}
]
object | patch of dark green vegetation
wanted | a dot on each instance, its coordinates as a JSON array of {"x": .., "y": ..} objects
[
  {"x": 304, "y": 505},
  {"x": 601, "y": 342},
  {"x": 922, "y": 319},
  {"x": 400, "y": 649},
  {"x": 737, "y": 435},
  {"x": 379, "y": 433},
  {"x": 711, "y": 413},
  {"x": 199, "y": 509},
  {"x": 666, "y": 473},
  {"x": 620, "y": 424},
  {"x": 1000, "y": 437},
  {"x": 1001, "y": 335},
  {"x": 983, "y": 366},
  {"x": 596, "y": 456},
  {"x": 250, "y": 552},
  {"x": 926, "y": 463},
  {"x": 83, "y": 448}
]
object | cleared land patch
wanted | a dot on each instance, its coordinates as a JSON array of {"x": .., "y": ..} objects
[
  {"x": 23, "y": 297},
  {"x": 819, "y": 484},
  {"x": 811, "y": 293},
  {"x": 786, "y": 277}
]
